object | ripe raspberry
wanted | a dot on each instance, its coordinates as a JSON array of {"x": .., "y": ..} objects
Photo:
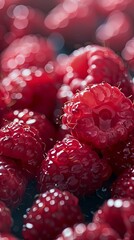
[
  {"x": 22, "y": 143},
  {"x": 46, "y": 130},
  {"x": 50, "y": 214},
  {"x": 32, "y": 88},
  {"x": 5, "y": 218},
  {"x": 12, "y": 182},
  {"x": 121, "y": 155},
  {"x": 121, "y": 30},
  {"x": 27, "y": 51},
  {"x": 100, "y": 115},
  {"x": 118, "y": 214},
  {"x": 94, "y": 231},
  {"x": 74, "y": 167},
  {"x": 92, "y": 65},
  {"x": 128, "y": 53},
  {"x": 5, "y": 236},
  {"x": 123, "y": 187}
]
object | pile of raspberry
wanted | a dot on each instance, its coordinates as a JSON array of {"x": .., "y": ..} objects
[{"x": 66, "y": 124}]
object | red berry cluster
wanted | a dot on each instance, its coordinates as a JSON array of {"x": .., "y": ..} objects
[{"x": 66, "y": 120}]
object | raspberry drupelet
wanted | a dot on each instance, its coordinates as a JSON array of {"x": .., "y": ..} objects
[
  {"x": 22, "y": 143},
  {"x": 118, "y": 214},
  {"x": 73, "y": 166},
  {"x": 39, "y": 121},
  {"x": 123, "y": 187},
  {"x": 100, "y": 115},
  {"x": 94, "y": 64},
  {"x": 121, "y": 155},
  {"x": 94, "y": 231},
  {"x": 32, "y": 88},
  {"x": 50, "y": 214},
  {"x": 13, "y": 182}
]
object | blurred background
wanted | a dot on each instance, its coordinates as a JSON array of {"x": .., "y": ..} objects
[{"x": 70, "y": 24}]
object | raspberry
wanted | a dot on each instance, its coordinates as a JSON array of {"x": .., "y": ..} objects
[
  {"x": 27, "y": 51},
  {"x": 74, "y": 167},
  {"x": 121, "y": 30},
  {"x": 12, "y": 182},
  {"x": 118, "y": 214},
  {"x": 100, "y": 115},
  {"x": 123, "y": 187},
  {"x": 92, "y": 231},
  {"x": 5, "y": 236},
  {"x": 50, "y": 214},
  {"x": 46, "y": 130},
  {"x": 5, "y": 218},
  {"x": 22, "y": 143},
  {"x": 32, "y": 88},
  {"x": 92, "y": 65},
  {"x": 121, "y": 155}
]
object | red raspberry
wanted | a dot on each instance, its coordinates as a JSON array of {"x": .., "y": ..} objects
[
  {"x": 12, "y": 182},
  {"x": 32, "y": 88},
  {"x": 94, "y": 231},
  {"x": 121, "y": 31},
  {"x": 123, "y": 187},
  {"x": 128, "y": 53},
  {"x": 5, "y": 236},
  {"x": 74, "y": 167},
  {"x": 27, "y": 51},
  {"x": 92, "y": 65},
  {"x": 22, "y": 143},
  {"x": 46, "y": 130},
  {"x": 118, "y": 214},
  {"x": 100, "y": 115},
  {"x": 5, "y": 218},
  {"x": 50, "y": 214},
  {"x": 121, "y": 155}
]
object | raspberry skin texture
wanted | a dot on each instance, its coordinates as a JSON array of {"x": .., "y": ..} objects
[
  {"x": 5, "y": 218},
  {"x": 100, "y": 115},
  {"x": 32, "y": 88},
  {"x": 74, "y": 167},
  {"x": 118, "y": 214},
  {"x": 94, "y": 231},
  {"x": 50, "y": 214},
  {"x": 27, "y": 51},
  {"x": 22, "y": 143},
  {"x": 12, "y": 182},
  {"x": 123, "y": 187},
  {"x": 94, "y": 64},
  {"x": 121, "y": 155},
  {"x": 39, "y": 121}
]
